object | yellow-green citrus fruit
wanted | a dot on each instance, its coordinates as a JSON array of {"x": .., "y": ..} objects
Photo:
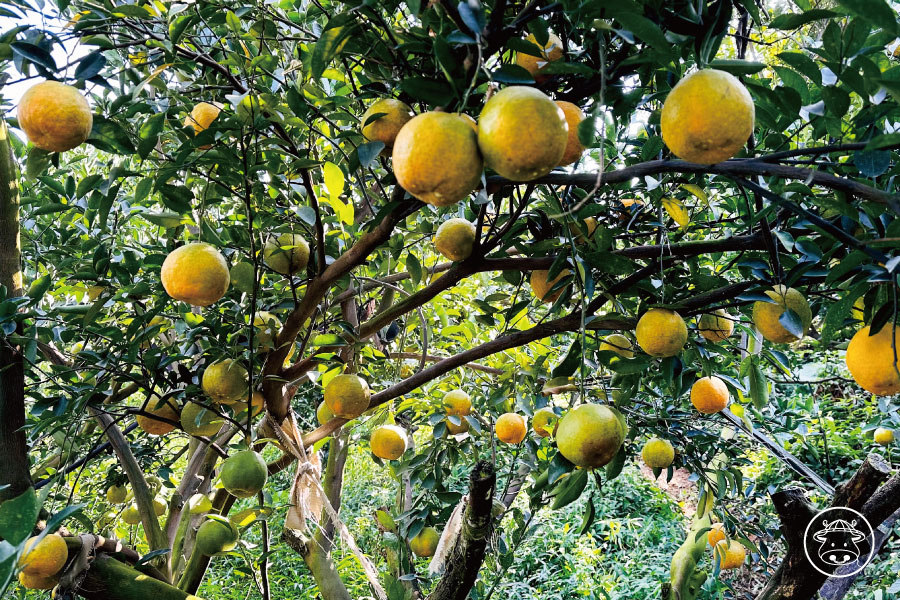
[
  {"x": 389, "y": 442},
  {"x": 201, "y": 117},
  {"x": 884, "y": 436},
  {"x": 716, "y": 326},
  {"x": 766, "y": 314},
  {"x": 470, "y": 121},
  {"x": 347, "y": 396},
  {"x": 159, "y": 506},
  {"x": 551, "y": 51},
  {"x": 131, "y": 515},
  {"x": 522, "y": 133},
  {"x": 216, "y": 537},
  {"x": 286, "y": 254},
  {"x": 661, "y": 332},
  {"x": 540, "y": 286},
  {"x": 244, "y": 474},
  {"x": 436, "y": 158},
  {"x": 164, "y": 409},
  {"x": 588, "y": 226},
  {"x": 619, "y": 344},
  {"x": 36, "y": 582},
  {"x": 458, "y": 403},
  {"x": 323, "y": 413},
  {"x": 455, "y": 238},
  {"x": 55, "y": 116},
  {"x": 46, "y": 557},
  {"x": 590, "y": 435},
  {"x": 544, "y": 422},
  {"x": 463, "y": 426},
  {"x": 707, "y": 117},
  {"x": 870, "y": 359},
  {"x": 574, "y": 117},
  {"x": 394, "y": 114},
  {"x": 715, "y": 534},
  {"x": 116, "y": 494},
  {"x": 658, "y": 453},
  {"x": 225, "y": 381},
  {"x": 195, "y": 273},
  {"x": 200, "y": 421},
  {"x": 266, "y": 329},
  {"x": 731, "y": 554},
  {"x": 709, "y": 395},
  {"x": 511, "y": 428},
  {"x": 425, "y": 542},
  {"x": 199, "y": 504},
  {"x": 242, "y": 277}
]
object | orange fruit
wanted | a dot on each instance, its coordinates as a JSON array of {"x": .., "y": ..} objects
[
  {"x": 286, "y": 254},
  {"x": 661, "y": 332},
  {"x": 884, "y": 437},
  {"x": 540, "y": 286},
  {"x": 716, "y": 534},
  {"x": 458, "y": 403},
  {"x": 574, "y": 117},
  {"x": 522, "y": 133},
  {"x": 436, "y": 158},
  {"x": 658, "y": 453},
  {"x": 244, "y": 474},
  {"x": 225, "y": 381},
  {"x": 590, "y": 435},
  {"x": 202, "y": 116},
  {"x": 766, "y": 315},
  {"x": 550, "y": 52},
  {"x": 116, "y": 494},
  {"x": 389, "y": 442},
  {"x": 55, "y": 116},
  {"x": 617, "y": 343},
  {"x": 544, "y": 422},
  {"x": 511, "y": 428},
  {"x": 463, "y": 426},
  {"x": 217, "y": 537},
  {"x": 425, "y": 543},
  {"x": 347, "y": 396},
  {"x": 46, "y": 557},
  {"x": 870, "y": 359},
  {"x": 157, "y": 407},
  {"x": 716, "y": 326},
  {"x": 195, "y": 273},
  {"x": 200, "y": 421},
  {"x": 709, "y": 395},
  {"x": 323, "y": 413},
  {"x": 731, "y": 554},
  {"x": 36, "y": 582},
  {"x": 707, "y": 117},
  {"x": 455, "y": 238},
  {"x": 394, "y": 114}
]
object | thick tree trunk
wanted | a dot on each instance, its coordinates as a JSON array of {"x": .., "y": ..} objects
[
  {"x": 14, "y": 472},
  {"x": 110, "y": 579},
  {"x": 796, "y": 578},
  {"x": 467, "y": 555}
]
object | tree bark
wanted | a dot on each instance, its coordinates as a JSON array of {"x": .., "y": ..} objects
[
  {"x": 14, "y": 471},
  {"x": 467, "y": 555}
]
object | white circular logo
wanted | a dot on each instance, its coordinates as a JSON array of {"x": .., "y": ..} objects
[{"x": 839, "y": 542}]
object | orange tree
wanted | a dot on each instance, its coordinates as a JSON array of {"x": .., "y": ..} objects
[{"x": 220, "y": 247}]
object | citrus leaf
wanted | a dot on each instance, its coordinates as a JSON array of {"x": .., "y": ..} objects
[
  {"x": 677, "y": 211},
  {"x": 570, "y": 489},
  {"x": 334, "y": 179},
  {"x": 18, "y": 516}
]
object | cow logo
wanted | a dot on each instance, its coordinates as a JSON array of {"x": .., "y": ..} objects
[{"x": 839, "y": 542}]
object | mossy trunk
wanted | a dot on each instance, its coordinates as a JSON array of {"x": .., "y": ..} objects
[
  {"x": 14, "y": 472},
  {"x": 110, "y": 579}
]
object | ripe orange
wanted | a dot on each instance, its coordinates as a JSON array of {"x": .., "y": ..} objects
[
  {"x": 522, "y": 133},
  {"x": 436, "y": 158},
  {"x": 195, "y": 273},
  {"x": 55, "y": 116},
  {"x": 389, "y": 442},
  {"x": 544, "y": 422},
  {"x": 731, "y": 554},
  {"x": 766, "y": 315},
  {"x": 661, "y": 332},
  {"x": 709, "y": 395},
  {"x": 716, "y": 534},
  {"x": 394, "y": 115},
  {"x": 617, "y": 343},
  {"x": 870, "y": 359},
  {"x": 588, "y": 226},
  {"x": 455, "y": 238},
  {"x": 36, "y": 582},
  {"x": 541, "y": 287},
  {"x": 347, "y": 396},
  {"x": 463, "y": 426},
  {"x": 458, "y": 403},
  {"x": 574, "y": 117},
  {"x": 156, "y": 406},
  {"x": 201, "y": 117},
  {"x": 44, "y": 558},
  {"x": 550, "y": 52},
  {"x": 511, "y": 428},
  {"x": 884, "y": 436},
  {"x": 323, "y": 413},
  {"x": 707, "y": 117},
  {"x": 716, "y": 326}
]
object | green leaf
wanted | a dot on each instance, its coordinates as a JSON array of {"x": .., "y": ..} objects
[
  {"x": 876, "y": 12},
  {"x": 386, "y": 520},
  {"x": 176, "y": 197},
  {"x": 570, "y": 489},
  {"x": 589, "y": 514},
  {"x": 795, "y": 20},
  {"x": 414, "y": 267},
  {"x": 333, "y": 39},
  {"x": 883, "y": 141},
  {"x": 430, "y": 91},
  {"x": 328, "y": 339},
  {"x": 615, "y": 466},
  {"x": 737, "y": 67},
  {"x": 837, "y": 101},
  {"x": 645, "y": 29},
  {"x": 18, "y": 516},
  {"x": 149, "y": 133},
  {"x": 872, "y": 163},
  {"x": 36, "y": 162},
  {"x": 570, "y": 363},
  {"x": 368, "y": 152},
  {"x": 512, "y": 74},
  {"x": 35, "y": 54}
]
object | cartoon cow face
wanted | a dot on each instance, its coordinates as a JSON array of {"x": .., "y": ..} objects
[{"x": 839, "y": 542}]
